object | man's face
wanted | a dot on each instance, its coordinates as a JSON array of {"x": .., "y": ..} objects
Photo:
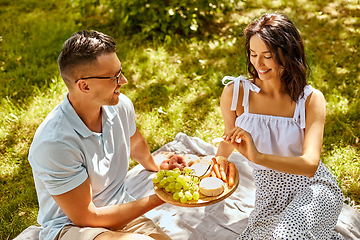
[{"x": 105, "y": 91}]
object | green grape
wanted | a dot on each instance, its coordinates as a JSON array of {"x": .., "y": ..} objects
[
  {"x": 181, "y": 179},
  {"x": 156, "y": 179},
  {"x": 161, "y": 173},
  {"x": 162, "y": 182},
  {"x": 187, "y": 170},
  {"x": 195, "y": 180},
  {"x": 168, "y": 188},
  {"x": 188, "y": 195},
  {"x": 172, "y": 185},
  {"x": 176, "y": 196},
  {"x": 178, "y": 185},
  {"x": 159, "y": 176},
  {"x": 187, "y": 178},
  {"x": 186, "y": 186},
  {"x": 171, "y": 178},
  {"x": 181, "y": 184},
  {"x": 196, "y": 195},
  {"x": 183, "y": 199}
]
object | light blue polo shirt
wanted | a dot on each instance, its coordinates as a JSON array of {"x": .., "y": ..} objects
[{"x": 64, "y": 153}]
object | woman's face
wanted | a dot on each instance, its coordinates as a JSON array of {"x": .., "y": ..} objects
[{"x": 263, "y": 61}]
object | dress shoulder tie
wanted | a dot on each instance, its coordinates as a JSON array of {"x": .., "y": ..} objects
[
  {"x": 247, "y": 86},
  {"x": 299, "y": 113}
]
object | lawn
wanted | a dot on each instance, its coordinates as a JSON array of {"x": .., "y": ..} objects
[{"x": 174, "y": 64}]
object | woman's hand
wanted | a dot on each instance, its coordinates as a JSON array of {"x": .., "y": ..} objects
[{"x": 244, "y": 143}]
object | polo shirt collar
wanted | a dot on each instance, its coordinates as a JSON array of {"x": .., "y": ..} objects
[{"x": 108, "y": 115}]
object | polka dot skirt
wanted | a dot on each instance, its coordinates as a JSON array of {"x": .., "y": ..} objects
[{"x": 294, "y": 207}]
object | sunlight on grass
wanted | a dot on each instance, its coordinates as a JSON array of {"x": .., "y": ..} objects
[
  {"x": 175, "y": 85},
  {"x": 26, "y": 123},
  {"x": 344, "y": 163}
]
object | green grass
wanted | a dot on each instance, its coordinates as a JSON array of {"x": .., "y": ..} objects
[{"x": 175, "y": 85}]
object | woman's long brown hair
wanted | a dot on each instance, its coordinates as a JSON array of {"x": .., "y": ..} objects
[{"x": 287, "y": 48}]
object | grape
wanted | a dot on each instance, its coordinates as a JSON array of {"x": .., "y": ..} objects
[
  {"x": 171, "y": 178},
  {"x": 196, "y": 195},
  {"x": 156, "y": 179},
  {"x": 183, "y": 199},
  {"x": 163, "y": 181},
  {"x": 187, "y": 178},
  {"x": 181, "y": 179},
  {"x": 188, "y": 195},
  {"x": 186, "y": 186},
  {"x": 187, "y": 170},
  {"x": 176, "y": 196},
  {"x": 178, "y": 185},
  {"x": 168, "y": 188},
  {"x": 181, "y": 184},
  {"x": 172, "y": 185},
  {"x": 196, "y": 180}
]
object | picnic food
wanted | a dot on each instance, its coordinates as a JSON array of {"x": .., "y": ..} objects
[
  {"x": 165, "y": 164},
  {"x": 216, "y": 169},
  {"x": 211, "y": 186},
  {"x": 181, "y": 184},
  {"x": 196, "y": 179},
  {"x": 232, "y": 172},
  {"x": 190, "y": 159},
  {"x": 201, "y": 170},
  {"x": 222, "y": 161},
  {"x": 175, "y": 161}
]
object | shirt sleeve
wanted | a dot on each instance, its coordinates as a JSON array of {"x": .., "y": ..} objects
[{"x": 59, "y": 166}]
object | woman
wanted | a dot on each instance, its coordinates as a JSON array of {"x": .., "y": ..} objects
[{"x": 276, "y": 121}]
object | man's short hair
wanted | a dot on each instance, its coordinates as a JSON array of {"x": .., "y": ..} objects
[{"x": 81, "y": 49}]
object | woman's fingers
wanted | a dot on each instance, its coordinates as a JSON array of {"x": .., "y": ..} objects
[{"x": 236, "y": 134}]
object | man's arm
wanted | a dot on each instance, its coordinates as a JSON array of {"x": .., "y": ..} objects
[
  {"x": 140, "y": 152},
  {"x": 77, "y": 204}
]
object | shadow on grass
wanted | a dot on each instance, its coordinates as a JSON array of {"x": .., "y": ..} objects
[
  {"x": 18, "y": 199},
  {"x": 330, "y": 31}
]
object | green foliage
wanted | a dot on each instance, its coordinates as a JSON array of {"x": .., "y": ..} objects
[
  {"x": 29, "y": 47},
  {"x": 164, "y": 20}
]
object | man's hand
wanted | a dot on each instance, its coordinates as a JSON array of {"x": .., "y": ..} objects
[{"x": 160, "y": 157}]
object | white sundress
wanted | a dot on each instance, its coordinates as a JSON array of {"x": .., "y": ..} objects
[{"x": 287, "y": 206}]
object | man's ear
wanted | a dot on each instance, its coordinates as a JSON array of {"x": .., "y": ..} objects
[{"x": 83, "y": 86}]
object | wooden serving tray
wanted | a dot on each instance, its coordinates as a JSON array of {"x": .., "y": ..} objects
[{"x": 203, "y": 200}]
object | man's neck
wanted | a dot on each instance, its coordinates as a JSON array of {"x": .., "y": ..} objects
[{"x": 88, "y": 113}]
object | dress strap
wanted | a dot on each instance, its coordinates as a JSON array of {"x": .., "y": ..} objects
[
  {"x": 247, "y": 86},
  {"x": 299, "y": 113}
]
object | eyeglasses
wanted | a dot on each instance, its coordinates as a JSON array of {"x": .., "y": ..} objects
[{"x": 109, "y": 78}]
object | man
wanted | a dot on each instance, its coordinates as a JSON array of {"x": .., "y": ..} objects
[{"x": 80, "y": 153}]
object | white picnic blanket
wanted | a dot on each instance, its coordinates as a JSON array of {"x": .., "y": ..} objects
[{"x": 223, "y": 220}]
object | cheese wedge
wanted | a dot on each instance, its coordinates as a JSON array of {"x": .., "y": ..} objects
[
  {"x": 191, "y": 159},
  {"x": 201, "y": 170},
  {"x": 211, "y": 186}
]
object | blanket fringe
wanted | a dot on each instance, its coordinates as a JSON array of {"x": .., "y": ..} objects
[{"x": 352, "y": 204}]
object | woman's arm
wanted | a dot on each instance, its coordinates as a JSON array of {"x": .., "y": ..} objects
[
  {"x": 229, "y": 117},
  {"x": 307, "y": 163}
]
